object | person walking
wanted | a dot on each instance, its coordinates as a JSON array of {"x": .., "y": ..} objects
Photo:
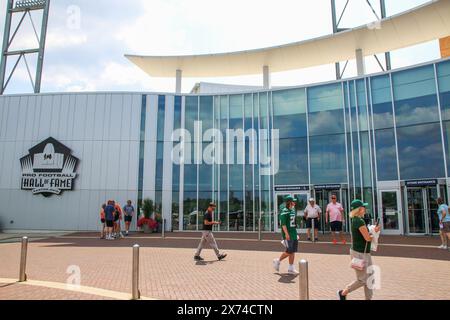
[
  {"x": 128, "y": 212},
  {"x": 312, "y": 214},
  {"x": 207, "y": 235},
  {"x": 103, "y": 221},
  {"x": 288, "y": 224},
  {"x": 444, "y": 223},
  {"x": 109, "y": 219},
  {"x": 335, "y": 215},
  {"x": 361, "y": 248}
]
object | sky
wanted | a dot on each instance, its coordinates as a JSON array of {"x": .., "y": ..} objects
[{"x": 87, "y": 40}]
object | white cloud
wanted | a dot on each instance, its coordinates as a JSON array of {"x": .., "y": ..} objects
[{"x": 58, "y": 39}]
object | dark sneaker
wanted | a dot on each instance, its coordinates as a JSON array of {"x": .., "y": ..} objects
[
  {"x": 340, "y": 296},
  {"x": 198, "y": 258},
  {"x": 316, "y": 240},
  {"x": 222, "y": 256},
  {"x": 309, "y": 239}
]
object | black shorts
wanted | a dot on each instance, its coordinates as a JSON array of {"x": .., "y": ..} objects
[
  {"x": 292, "y": 246},
  {"x": 116, "y": 218},
  {"x": 309, "y": 223},
  {"x": 336, "y": 226},
  {"x": 128, "y": 218},
  {"x": 102, "y": 220},
  {"x": 109, "y": 223}
]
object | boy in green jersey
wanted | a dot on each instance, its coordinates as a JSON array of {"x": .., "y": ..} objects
[{"x": 289, "y": 232}]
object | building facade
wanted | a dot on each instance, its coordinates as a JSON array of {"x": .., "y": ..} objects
[{"x": 383, "y": 138}]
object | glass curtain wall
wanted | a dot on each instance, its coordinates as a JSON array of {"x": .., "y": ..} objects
[
  {"x": 418, "y": 127},
  {"x": 176, "y": 170},
  {"x": 354, "y": 128},
  {"x": 443, "y": 74}
]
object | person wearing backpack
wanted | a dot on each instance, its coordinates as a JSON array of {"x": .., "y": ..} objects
[{"x": 360, "y": 251}]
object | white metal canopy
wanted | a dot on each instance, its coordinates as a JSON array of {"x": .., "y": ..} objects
[{"x": 425, "y": 23}]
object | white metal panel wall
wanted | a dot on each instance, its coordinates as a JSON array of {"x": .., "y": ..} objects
[{"x": 102, "y": 129}]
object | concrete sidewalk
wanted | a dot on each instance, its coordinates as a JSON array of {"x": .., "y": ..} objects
[{"x": 168, "y": 270}]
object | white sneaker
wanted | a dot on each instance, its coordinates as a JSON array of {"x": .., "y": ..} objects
[
  {"x": 276, "y": 265},
  {"x": 442, "y": 247},
  {"x": 293, "y": 271}
]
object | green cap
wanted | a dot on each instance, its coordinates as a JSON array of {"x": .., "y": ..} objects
[
  {"x": 289, "y": 198},
  {"x": 358, "y": 204}
]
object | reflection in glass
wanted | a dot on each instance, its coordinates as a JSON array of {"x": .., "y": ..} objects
[
  {"x": 328, "y": 161},
  {"x": 420, "y": 152}
]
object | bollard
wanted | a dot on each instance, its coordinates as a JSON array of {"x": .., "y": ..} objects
[
  {"x": 163, "y": 233},
  {"x": 136, "y": 295},
  {"x": 259, "y": 229},
  {"x": 23, "y": 260},
  {"x": 313, "y": 231},
  {"x": 304, "y": 281}
]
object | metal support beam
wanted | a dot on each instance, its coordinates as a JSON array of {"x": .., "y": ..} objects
[
  {"x": 383, "y": 16},
  {"x": 266, "y": 77},
  {"x": 336, "y": 22},
  {"x": 178, "y": 84},
  {"x": 40, "y": 62},
  {"x": 5, "y": 46},
  {"x": 24, "y": 6}
]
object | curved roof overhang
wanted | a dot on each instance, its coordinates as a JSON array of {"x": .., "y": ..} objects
[{"x": 425, "y": 23}]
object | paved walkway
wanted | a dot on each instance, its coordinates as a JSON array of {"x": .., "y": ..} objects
[{"x": 169, "y": 272}]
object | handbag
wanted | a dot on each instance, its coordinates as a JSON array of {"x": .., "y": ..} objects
[{"x": 359, "y": 264}]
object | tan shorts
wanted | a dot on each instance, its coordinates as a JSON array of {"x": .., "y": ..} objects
[{"x": 446, "y": 228}]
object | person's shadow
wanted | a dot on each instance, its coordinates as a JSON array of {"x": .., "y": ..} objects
[
  {"x": 205, "y": 263},
  {"x": 286, "y": 277}
]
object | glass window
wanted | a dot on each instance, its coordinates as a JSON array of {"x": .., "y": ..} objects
[
  {"x": 289, "y": 110},
  {"x": 386, "y": 155},
  {"x": 190, "y": 215},
  {"x": 326, "y": 114},
  {"x": 443, "y": 71},
  {"x": 383, "y": 117},
  {"x": 328, "y": 161},
  {"x": 415, "y": 96},
  {"x": 293, "y": 164},
  {"x": 365, "y": 158},
  {"x": 191, "y": 113},
  {"x": 420, "y": 152},
  {"x": 362, "y": 105}
]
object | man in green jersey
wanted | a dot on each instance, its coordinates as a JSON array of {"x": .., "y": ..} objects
[{"x": 289, "y": 231}]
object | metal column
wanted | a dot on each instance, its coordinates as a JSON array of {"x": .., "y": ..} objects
[{"x": 24, "y": 7}]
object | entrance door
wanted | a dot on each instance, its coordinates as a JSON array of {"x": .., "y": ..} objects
[
  {"x": 302, "y": 202},
  {"x": 390, "y": 212},
  {"x": 422, "y": 210},
  {"x": 323, "y": 198}
]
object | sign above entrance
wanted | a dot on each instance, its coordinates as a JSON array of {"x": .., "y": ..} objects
[
  {"x": 291, "y": 188},
  {"x": 421, "y": 183},
  {"x": 49, "y": 168},
  {"x": 327, "y": 187}
]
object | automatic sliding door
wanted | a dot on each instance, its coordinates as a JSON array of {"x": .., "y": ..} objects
[
  {"x": 416, "y": 211},
  {"x": 390, "y": 211}
]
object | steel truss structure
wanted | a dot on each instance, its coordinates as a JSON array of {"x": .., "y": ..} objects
[
  {"x": 336, "y": 29},
  {"x": 24, "y": 7}
]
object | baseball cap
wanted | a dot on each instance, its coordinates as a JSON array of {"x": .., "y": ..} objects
[
  {"x": 290, "y": 198},
  {"x": 358, "y": 204},
  {"x": 312, "y": 199},
  {"x": 212, "y": 204}
]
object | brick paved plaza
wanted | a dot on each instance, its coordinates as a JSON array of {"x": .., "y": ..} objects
[{"x": 412, "y": 268}]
